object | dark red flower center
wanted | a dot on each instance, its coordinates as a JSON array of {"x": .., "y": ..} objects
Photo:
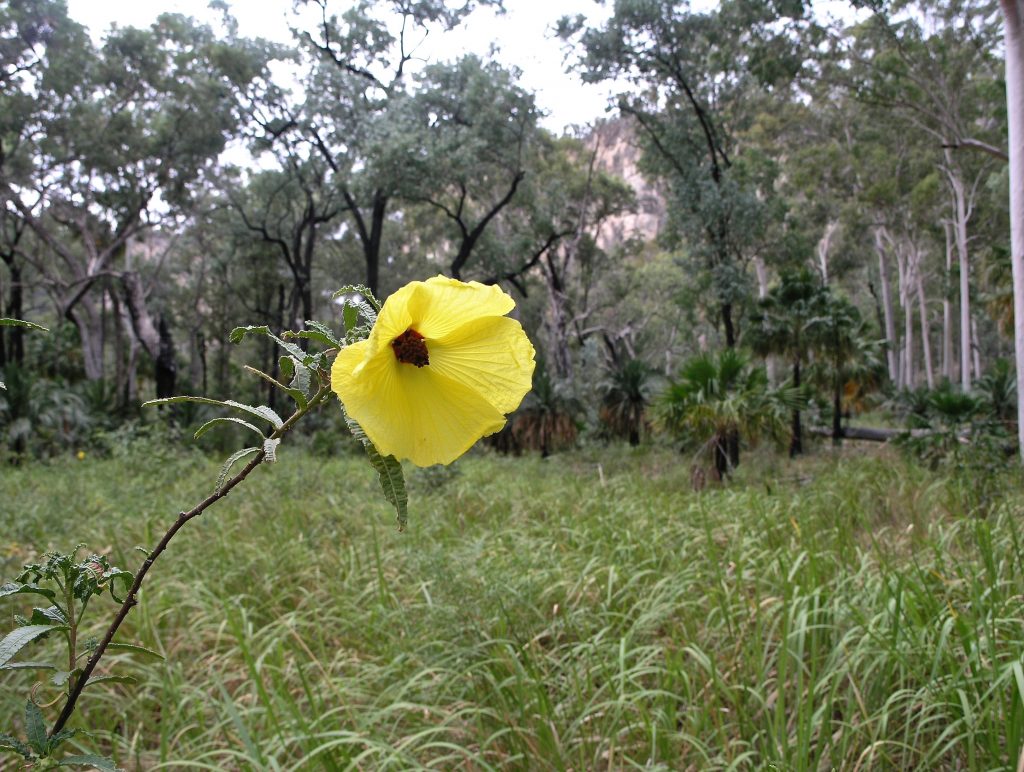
[{"x": 410, "y": 348}]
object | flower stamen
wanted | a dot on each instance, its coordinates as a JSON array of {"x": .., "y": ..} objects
[{"x": 410, "y": 348}]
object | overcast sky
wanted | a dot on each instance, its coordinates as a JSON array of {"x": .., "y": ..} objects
[{"x": 522, "y": 34}]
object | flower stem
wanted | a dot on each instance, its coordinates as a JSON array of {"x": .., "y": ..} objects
[{"x": 131, "y": 598}]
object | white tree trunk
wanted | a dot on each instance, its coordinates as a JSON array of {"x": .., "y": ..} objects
[
  {"x": 824, "y": 245},
  {"x": 947, "y": 311},
  {"x": 961, "y": 214},
  {"x": 926, "y": 345},
  {"x": 762, "y": 291},
  {"x": 890, "y": 322},
  {"x": 975, "y": 348},
  {"x": 1013, "y": 17}
]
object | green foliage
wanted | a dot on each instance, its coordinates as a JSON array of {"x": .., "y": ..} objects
[
  {"x": 717, "y": 399},
  {"x": 69, "y": 583},
  {"x": 625, "y": 397},
  {"x": 546, "y": 420}
]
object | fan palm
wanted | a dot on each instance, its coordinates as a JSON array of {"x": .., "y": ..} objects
[
  {"x": 625, "y": 396},
  {"x": 716, "y": 399}
]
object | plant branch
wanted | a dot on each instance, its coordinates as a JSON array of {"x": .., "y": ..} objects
[{"x": 183, "y": 517}]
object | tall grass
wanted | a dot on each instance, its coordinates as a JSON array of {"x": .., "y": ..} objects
[{"x": 583, "y": 612}]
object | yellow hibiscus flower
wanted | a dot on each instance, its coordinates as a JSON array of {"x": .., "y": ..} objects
[{"x": 440, "y": 369}]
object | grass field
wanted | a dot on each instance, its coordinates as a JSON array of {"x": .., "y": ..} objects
[{"x": 583, "y": 612}]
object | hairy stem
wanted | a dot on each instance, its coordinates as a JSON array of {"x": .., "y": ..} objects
[{"x": 131, "y": 598}]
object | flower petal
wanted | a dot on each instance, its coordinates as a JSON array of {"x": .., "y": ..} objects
[
  {"x": 490, "y": 355},
  {"x": 411, "y": 412},
  {"x": 439, "y": 306}
]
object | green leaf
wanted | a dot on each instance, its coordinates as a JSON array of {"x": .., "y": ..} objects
[
  {"x": 351, "y": 317},
  {"x": 111, "y": 679},
  {"x": 90, "y": 760},
  {"x": 14, "y": 640},
  {"x": 16, "y": 588},
  {"x": 22, "y": 323},
  {"x": 287, "y": 367},
  {"x": 238, "y": 333},
  {"x": 35, "y": 729},
  {"x": 134, "y": 648},
  {"x": 8, "y": 743},
  {"x": 225, "y": 419},
  {"x": 358, "y": 289},
  {"x": 389, "y": 473},
  {"x": 60, "y": 677},
  {"x": 238, "y": 454},
  {"x": 298, "y": 396},
  {"x": 260, "y": 411},
  {"x": 302, "y": 378},
  {"x": 270, "y": 449},
  {"x": 28, "y": 666},
  {"x": 325, "y": 331},
  {"x": 48, "y": 616}
]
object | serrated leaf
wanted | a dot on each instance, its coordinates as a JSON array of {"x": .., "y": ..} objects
[
  {"x": 90, "y": 760},
  {"x": 357, "y": 289},
  {"x": 320, "y": 338},
  {"x": 60, "y": 677},
  {"x": 16, "y": 588},
  {"x": 111, "y": 679},
  {"x": 51, "y": 613},
  {"x": 287, "y": 367},
  {"x": 389, "y": 474},
  {"x": 22, "y": 323},
  {"x": 259, "y": 411},
  {"x": 270, "y": 449},
  {"x": 134, "y": 648},
  {"x": 225, "y": 419},
  {"x": 302, "y": 379},
  {"x": 17, "y": 638},
  {"x": 323, "y": 329},
  {"x": 236, "y": 335},
  {"x": 35, "y": 728},
  {"x": 8, "y": 743},
  {"x": 351, "y": 317},
  {"x": 56, "y": 740},
  {"x": 223, "y": 476},
  {"x": 28, "y": 666}
]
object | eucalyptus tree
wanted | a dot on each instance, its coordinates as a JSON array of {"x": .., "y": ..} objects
[
  {"x": 784, "y": 325},
  {"x": 357, "y": 111},
  {"x": 933, "y": 64},
  {"x": 112, "y": 144},
  {"x": 694, "y": 76}
]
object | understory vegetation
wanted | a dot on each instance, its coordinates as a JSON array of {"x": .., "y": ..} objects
[{"x": 851, "y": 610}]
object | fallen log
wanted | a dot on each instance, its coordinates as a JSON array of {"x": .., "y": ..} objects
[{"x": 868, "y": 433}]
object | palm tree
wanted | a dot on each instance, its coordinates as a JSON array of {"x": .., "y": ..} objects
[
  {"x": 848, "y": 352},
  {"x": 716, "y": 399},
  {"x": 625, "y": 395},
  {"x": 782, "y": 327}
]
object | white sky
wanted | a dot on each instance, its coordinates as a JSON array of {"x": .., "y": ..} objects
[{"x": 522, "y": 34}]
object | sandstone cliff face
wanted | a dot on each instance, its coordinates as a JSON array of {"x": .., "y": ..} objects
[{"x": 618, "y": 154}]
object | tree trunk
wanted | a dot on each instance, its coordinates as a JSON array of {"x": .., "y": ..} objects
[
  {"x": 796, "y": 440},
  {"x": 890, "y": 322},
  {"x": 961, "y": 215},
  {"x": 86, "y": 321},
  {"x": 1013, "y": 18},
  {"x": 926, "y": 345},
  {"x": 837, "y": 404},
  {"x": 155, "y": 338},
  {"x": 947, "y": 311},
  {"x": 762, "y": 292},
  {"x": 727, "y": 323}
]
